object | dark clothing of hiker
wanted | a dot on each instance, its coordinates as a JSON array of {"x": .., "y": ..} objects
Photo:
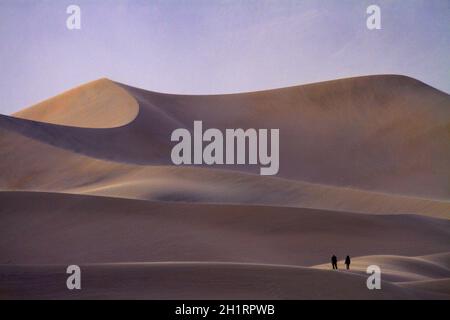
[
  {"x": 334, "y": 262},
  {"x": 347, "y": 262}
]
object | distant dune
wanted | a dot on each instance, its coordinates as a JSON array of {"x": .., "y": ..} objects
[{"x": 364, "y": 170}]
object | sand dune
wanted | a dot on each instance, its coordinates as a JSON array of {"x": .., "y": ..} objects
[
  {"x": 365, "y": 170},
  {"x": 384, "y": 133}
]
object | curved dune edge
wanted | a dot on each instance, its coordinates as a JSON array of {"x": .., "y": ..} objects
[
  {"x": 97, "y": 104},
  {"x": 442, "y": 259},
  {"x": 193, "y": 280}
]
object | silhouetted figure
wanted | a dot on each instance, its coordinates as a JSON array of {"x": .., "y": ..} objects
[
  {"x": 347, "y": 262},
  {"x": 334, "y": 262}
]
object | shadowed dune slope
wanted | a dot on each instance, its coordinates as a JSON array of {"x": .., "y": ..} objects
[
  {"x": 385, "y": 133},
  {"x": 195, "y": 281},
  {"x": 123, "y": 230}
]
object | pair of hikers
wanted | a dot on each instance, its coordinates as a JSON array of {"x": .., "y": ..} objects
[{"x": 334, "y": 262}]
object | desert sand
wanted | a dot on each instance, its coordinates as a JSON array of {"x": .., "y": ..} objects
[{"x": 364, "y": 170}]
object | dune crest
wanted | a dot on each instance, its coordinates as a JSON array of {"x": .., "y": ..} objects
[{"x": 97, "y": 104}]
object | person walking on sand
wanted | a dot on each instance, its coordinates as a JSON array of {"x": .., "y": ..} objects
[
  {"x": 347, "y": 262},
  {"x": 334, "y": 262}
]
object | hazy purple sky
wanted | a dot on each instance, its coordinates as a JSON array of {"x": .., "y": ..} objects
[{"x": 213, "y": 46}]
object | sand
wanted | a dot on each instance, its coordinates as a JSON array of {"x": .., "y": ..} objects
[{"x": 365, "y": 170}]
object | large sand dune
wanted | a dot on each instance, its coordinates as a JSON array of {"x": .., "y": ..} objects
[
  {"x": 365, "y": 170},
  {"x": 385, "y": 133}
]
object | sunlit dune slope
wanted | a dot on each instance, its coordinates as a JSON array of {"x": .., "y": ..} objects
[{"x": 98, "y": 104}]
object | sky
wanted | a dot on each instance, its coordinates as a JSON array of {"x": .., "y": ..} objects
[{"x": 215, "y": 46}]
